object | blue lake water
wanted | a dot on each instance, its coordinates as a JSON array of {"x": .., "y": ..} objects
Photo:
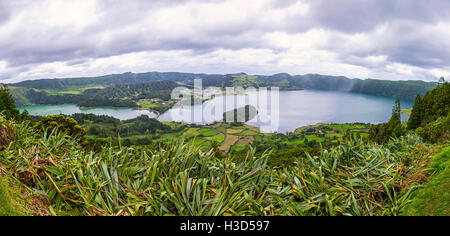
[
  {"x": 69, "y": 109},
  {"x": 295, "y": 109}
]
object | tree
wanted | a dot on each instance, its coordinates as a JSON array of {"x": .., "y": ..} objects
[
  {"x": 383, "y": 132},
  {"x": 415, "y": 120},
  {"x": 394, "y": 126},
  {"x": 396, "y": 110},
  {"x": 61, "y": 123},
  {"x": 8, "y": 105}
]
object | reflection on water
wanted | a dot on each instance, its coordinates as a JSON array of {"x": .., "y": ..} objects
[
  {"x": 69, "y": 109},
  {"x": 295, "y": 109}
]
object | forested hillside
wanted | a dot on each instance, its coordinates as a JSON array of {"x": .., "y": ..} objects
[
  {"x": 433, "y": 105},
  {"x": 118, "y": 95},
  {"x": 405, "y": 90},
  {"x": 159, "y": 89},
  {"x": 50, "y": 168},
  {"x": 126, "y": 78}
]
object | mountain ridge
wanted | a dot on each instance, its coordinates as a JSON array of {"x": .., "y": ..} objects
[{"x": 406, "y": 90}]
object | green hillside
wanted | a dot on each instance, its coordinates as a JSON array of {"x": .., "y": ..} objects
[
  {"x": 223, "y": 169},
  {"x": 405, "y": 90}
]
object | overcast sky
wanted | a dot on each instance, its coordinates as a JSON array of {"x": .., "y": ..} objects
[{"x": 381, "y": 39}]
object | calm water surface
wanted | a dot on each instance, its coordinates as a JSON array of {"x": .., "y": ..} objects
[
  {"x": 69, "y": 109},
  {"x": 296, "y": 109}
]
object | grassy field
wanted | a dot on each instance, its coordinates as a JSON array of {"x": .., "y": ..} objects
[
  {"x": 16, "y": 199},
  {"x": 336, "y": 132},
  {"x": 223, "y": 134},
  {"x": 407, "y": 111},
  {"x": 434, "y": 198},
  {"x": 238, "y": 137},
  {"x": 156, "y": 104},
  {"x": 6, "y": 207},
  {"x": 147, "y": 104},
  {"x": 72, "y": 90}
]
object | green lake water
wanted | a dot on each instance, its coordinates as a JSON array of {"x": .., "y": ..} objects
[
  {"x": 69, "y": 109},
  {"x": 296, "y": 109}
]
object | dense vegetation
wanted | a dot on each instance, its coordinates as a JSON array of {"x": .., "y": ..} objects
[
  {"x": 430, "y": 118},
  {"x": 243, "y": 114},
  {"x": 393, "y": 128},
  {"x": 404, "y": 90},
  {"x": 430, "y": 114},
  {"x": 351, "y": 179},
  {"x": 434, "y": 104},
  {"x": 334, "y": 169},
  {"x": 60, "y": 123},
  {"x": 7, "y": 104},
  {"x": 105, "y": 129},
  {"x": 6, "y": 208},
  {"x": 159, "y": 89},
  {"x": 119, "y": 95},
  {"x": 433, "y": 199}
]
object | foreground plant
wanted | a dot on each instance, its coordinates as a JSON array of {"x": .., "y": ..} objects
[{"x": 355, "y": 178}]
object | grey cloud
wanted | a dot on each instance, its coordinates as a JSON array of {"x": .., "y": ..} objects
[
  {"x": 408, "y": 39},
  {"x": 283, "y": 3},
  {"x": 4, "y": 14},
  {"x": 410, "y": 43},
  {"x": 363, "y": 15}
]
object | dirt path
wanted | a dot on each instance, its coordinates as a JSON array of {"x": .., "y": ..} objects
[{"x": 229, "y": 141}]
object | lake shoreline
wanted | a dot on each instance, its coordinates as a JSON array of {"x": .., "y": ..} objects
[{"x": 296, "y": 109}]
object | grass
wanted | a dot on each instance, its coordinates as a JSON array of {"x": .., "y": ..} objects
[
  {"x": 434, "y": 198},
  {"x": 238, "y": 148},
  {"x": 147, "y": 104},
  {"x": 218, "y": 138},
  {"x": 6, "y": 207},
  {"x": 229, "y": 141},
  {"x": 15, "y": 199},
  {"x": 234, "y": 131},
  {"x": 182, "y": 179},
  {"x": 72, "y": 90},
  {"x": 294, "y": 143},
  {"x": 206, "y": 132},
  {"x": 314, "y": 137},
  {"x": 248, "y": 132},
  {"x": 248, "y": 135},
  {"x": 407, "y": 111}
]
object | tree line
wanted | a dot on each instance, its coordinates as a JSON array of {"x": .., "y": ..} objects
[
  {"x": 430, "y": 118},
  {"x": 404, "y": 90}
]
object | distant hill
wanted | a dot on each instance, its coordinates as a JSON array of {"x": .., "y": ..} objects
[
  {"x": 406, "y": 90},
  {"x": 117, "y": 95}
]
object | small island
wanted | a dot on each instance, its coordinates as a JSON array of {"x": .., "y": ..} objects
[{"x": 243, "y": 114}]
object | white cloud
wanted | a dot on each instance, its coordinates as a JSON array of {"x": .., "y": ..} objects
[
  {"x": 56, "y": 38},
  {"x": 75, "y": 13}
]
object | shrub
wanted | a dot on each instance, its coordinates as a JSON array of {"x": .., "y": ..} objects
[
  {"x": 382, "y": 133},
  {"x": 7, "y": 104},
  {"x": 5, "y": 132},
  {"x": 436, "y": 131},
  {"x": 60, "y": 123},
  {"x": 180, "y": 179}
]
